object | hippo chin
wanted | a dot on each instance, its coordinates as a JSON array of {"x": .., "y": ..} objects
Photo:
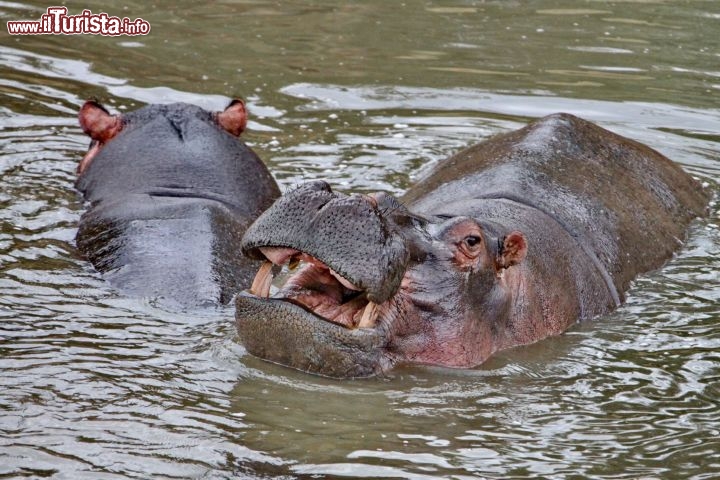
[
  {"x": 503, "y": 244},
  {"x": 171, "y": 191}
]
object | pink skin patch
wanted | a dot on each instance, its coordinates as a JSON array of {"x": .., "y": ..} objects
[
  {"x": 234, "y": 118},
  {"x": 98, "y": 123},
  {"x": 102, "y": 127},
  {"x": 318, "y": 288},
  {"x": 85, "y": 162}
]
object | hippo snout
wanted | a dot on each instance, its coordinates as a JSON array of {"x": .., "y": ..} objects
[{"x": 348, "y": 233}]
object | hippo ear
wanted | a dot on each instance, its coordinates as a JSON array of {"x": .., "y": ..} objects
[
  {"x": 234, "y": 118},
  {"x": 512, "y": 250},
  {"x": 97, "y": 122}
]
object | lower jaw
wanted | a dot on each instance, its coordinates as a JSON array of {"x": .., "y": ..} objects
[{"x": 285, "y": 333}]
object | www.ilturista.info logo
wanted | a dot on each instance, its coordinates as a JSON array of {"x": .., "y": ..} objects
[{"x": 57, "y": 22}]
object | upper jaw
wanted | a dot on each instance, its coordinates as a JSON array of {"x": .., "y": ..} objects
[{"x": 350, "y": 234}]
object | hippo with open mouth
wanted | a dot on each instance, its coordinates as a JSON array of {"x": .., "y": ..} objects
[
  {"x": 171, "y": 190},
  {"x": 503, "y": 244}
]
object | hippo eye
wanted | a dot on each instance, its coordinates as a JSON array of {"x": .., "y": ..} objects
[
  {"x": 472, "y": 240},
  {"x": 468, "y": 250}
]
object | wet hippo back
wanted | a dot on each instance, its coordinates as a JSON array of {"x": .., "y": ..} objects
[
  {"x": 626, "y": 205},
  {"x": 170, "y": 198},
  {"x": 178, "y": 250}
]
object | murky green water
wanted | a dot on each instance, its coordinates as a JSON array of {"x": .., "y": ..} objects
[{"x": 366, "y": 95}]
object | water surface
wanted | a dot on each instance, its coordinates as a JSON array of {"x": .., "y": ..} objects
[{"x": 366, "y": 95}]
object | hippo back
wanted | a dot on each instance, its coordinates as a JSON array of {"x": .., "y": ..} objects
[
  {"x": 626, "y": 205},
  {"x": 181, "y": 251}
]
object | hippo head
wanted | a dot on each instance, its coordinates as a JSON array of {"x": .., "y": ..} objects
[
  {"x": 372, "y": 284},
  {"x": 173, "y": 152},
  {"x": 101, "y": 126}
]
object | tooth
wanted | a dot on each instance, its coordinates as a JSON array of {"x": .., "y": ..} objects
[
  {"x": 294, "y": 262},
  {"x": 369, "y": 316},
  {"x": 345, "y": 282},
  {"x": 278, "y": 255},
  {"x": 261, "y": 285}
]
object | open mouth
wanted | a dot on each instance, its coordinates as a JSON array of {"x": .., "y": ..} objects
[
  {"x": 314, "y": 286},
  {"x": 322, "y": 300}
]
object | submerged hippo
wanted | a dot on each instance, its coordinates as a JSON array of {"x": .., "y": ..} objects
[
  {"x": 171, "y": 190},
  {"x": 503, "y": 244}
]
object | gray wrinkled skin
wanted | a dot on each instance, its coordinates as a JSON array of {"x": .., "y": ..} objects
[
  {"x": 595, "y": 210},
  {"x": 169, "y": 199},
  {"x": 350, "y": 235},
  {"x": 317, "y": 347}
]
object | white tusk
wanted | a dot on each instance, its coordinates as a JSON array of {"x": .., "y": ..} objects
[
  {"x": 344, "y": 281},
  {"x": 369, "y": 316},
  {"x": 261, "y": 285},
  {"x": 278, "y": 255}
]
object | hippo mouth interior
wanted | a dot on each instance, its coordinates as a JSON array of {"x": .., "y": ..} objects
[{"x": 314, "y": 286}]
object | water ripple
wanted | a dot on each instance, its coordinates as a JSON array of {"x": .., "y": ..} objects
[{"x": 98, "y": 386}]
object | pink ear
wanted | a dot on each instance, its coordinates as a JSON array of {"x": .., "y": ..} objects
[
  {"x": 97, "y": 122},
  {"x": 513, "y": 251},
  {"x": 234, "y": 118}
]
